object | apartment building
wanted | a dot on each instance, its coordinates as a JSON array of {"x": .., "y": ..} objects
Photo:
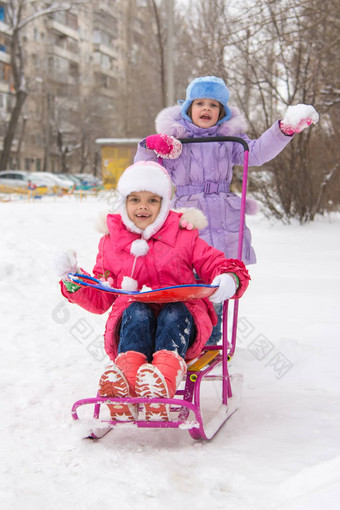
[
  {"x": 74, "y": 64},
  {"x": 5, "y": 72}
]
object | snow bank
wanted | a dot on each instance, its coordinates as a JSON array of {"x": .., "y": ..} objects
[{"x": 278, "y": 451}]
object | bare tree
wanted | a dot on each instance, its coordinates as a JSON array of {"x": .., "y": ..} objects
[
  {"x": 274, "y": 54},
  {"x": 143, "y": 89},
  {"x": 294, "y": 69}
]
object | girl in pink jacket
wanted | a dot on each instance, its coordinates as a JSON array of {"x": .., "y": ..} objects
[{"x": 145, "y": 246}]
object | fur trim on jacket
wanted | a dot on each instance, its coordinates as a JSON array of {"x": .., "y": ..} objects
[
  {"x": 189, "y": 214},
  {"x": 170, "y": 122}
]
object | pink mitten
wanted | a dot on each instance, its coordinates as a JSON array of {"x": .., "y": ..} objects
[
  {"x": 297, "y": 118},
  {"x": 164, "y": 146}
]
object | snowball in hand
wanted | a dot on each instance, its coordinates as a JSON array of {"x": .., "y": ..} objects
[{"x": 297, "y": 118}]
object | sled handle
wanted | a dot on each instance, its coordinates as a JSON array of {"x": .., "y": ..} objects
[
  {"x": 245, "y": 145},
  {"x": 204, "y": 139}
]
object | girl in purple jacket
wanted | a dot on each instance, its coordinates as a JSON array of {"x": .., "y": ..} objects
[
  {"x": 145, "y": 246},
  {"x": 202, "y": 173}
]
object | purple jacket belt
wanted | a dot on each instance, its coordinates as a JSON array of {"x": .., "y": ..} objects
[{"x": 208, "y": 188}]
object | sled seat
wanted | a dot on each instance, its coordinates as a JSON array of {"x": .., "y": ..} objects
[{"x": 205, "y": 358}]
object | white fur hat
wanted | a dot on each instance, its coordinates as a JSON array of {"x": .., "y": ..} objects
[{"x": 145, "y": 176}]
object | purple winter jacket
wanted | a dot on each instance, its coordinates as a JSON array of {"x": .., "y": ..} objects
[{"x": 200, "y": 163}]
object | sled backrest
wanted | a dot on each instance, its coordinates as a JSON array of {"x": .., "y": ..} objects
[{"x": 229, "y": 347}]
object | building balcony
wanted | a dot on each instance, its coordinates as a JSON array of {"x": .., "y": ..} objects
[
  {"x": 4, "y": 87},
  {"x": 62, "y": 78},
  {"x": 100, "y": 70},
  {"x": 5, "y": 29},
  {"x": 105, "y": 92},
  {"x": 101, "y": 48},
  {"x": 54, "y": 49},
  {"x": 63, "y": 29},
  {"x": 4, "y": 57}
]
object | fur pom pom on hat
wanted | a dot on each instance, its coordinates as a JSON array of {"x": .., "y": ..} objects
[
  {"x": 145, "y": 176},
  {"x": 206, "y": 87}
]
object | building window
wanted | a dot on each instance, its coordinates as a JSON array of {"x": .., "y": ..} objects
[
  {"x": 73, "y": 69},
  {"x": 2, "y": 13},
  {"x": 5, "y": 72},
  {"x": 66, "y": 18},
  {"x": 60, "y": 40},
  {"x": 106, "y": 82},
  {"x": 35, "y": 60},
  {"x": 102, "y": 37}
]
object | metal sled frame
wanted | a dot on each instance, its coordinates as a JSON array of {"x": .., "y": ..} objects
[{"x": 185, "y": 407}]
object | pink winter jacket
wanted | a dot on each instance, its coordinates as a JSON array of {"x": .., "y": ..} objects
[{"x": 173, "y": 254}]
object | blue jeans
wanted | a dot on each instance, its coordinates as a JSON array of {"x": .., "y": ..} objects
[
  {"x": 216, "y": 334},
  {"x": 142, "y": 331}
]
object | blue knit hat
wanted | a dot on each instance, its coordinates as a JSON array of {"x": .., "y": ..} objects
[{"x": 209, "y": 87}]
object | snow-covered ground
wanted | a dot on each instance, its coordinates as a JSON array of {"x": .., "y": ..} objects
[{"x": 280, "y": 450}]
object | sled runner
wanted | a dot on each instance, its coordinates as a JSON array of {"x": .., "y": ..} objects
[{"x": 193, "y": 407}]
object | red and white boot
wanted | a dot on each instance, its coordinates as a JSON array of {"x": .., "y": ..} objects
[
  {"x": 118, "y": 380},
  {"x": 160, "y": 379}
]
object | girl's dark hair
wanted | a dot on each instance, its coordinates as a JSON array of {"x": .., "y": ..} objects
[{"x": 220, "y": 116}]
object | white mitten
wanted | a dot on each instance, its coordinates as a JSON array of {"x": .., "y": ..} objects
[
  {"x": 65, "y": 262},
  {"x": 226, "y": 290}
]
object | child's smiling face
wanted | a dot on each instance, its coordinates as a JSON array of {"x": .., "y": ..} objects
[
  {"x": 143, "y": 208},
  {"x": 205, "y": 112}
]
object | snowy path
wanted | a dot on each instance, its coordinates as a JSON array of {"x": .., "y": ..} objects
[{"x": 280, "y": 451}]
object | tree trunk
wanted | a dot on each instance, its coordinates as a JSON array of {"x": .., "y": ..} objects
[
  {"x": 161, "y": 53},
  {"x": 20, "y": 98}
]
